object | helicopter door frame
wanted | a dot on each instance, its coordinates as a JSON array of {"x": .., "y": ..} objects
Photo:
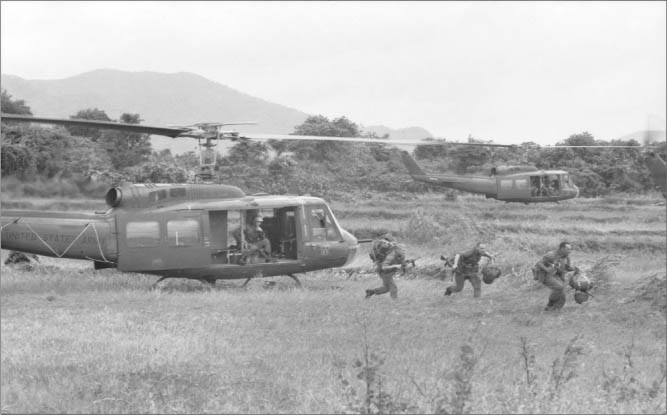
[
  {"x": 186, "y": 239},
  {"x": 140, "y": 242},
  {"x": 513, "y": 188},
  {"x": 542, "y": 187}
]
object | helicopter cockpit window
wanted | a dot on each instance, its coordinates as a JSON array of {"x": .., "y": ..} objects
[
  {"x": 143, "y": 234},
  {"x": 566, "y": 181},
  {"x": 521, "y": 184},
  {"x": 183, "y": 232},
  {"x": 322, "y": 227}
]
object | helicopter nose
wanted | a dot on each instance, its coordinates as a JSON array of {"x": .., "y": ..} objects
[{"x": 352, "y": 246}]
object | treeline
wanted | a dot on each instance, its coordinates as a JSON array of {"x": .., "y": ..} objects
[
  {"x": 596, "y": 171},
  {"x": 76, "y": 160}
]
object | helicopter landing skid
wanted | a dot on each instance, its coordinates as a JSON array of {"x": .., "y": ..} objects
[
  {"x": 298, "y": 283},
  {"x": 210, "y": 283}
]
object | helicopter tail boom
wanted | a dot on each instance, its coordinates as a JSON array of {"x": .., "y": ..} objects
[
  {"x": 411, "y": 165},
  {"x": 62, "y": 235},
  {"x": 658, "y": 170}
]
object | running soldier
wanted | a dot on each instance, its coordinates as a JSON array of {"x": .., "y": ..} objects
[
  {"x": 466, "y": 267},
  {"x": 388, "y": 257},
  {"x": 551, "y": 270}
]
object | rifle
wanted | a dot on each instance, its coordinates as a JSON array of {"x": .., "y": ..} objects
[
  {"x": 407, "y": 262},
  {"x": 449, "y": 262}
]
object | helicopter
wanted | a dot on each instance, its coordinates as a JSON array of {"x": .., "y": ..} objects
[
  {"x": 526, "y": 183},
  {"x": 188, "y": 230},
  {"x": 184, "y": 230},
  {"x": 511, "y": 184}
]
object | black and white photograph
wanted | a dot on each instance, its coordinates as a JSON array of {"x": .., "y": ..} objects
[{"x": 333, "y": 207}]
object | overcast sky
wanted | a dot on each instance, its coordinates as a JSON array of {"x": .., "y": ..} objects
[{"x": 502, "y": 71}]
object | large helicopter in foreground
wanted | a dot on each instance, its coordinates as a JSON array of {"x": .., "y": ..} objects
[{"x": 187, "y": 230}]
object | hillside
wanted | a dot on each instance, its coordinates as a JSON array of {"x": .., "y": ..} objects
[
  {"x": 160, "y": 99},
  {"x": 164, "y": 99}
]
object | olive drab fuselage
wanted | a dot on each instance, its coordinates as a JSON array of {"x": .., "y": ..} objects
[
  {"x": 529, "y": 187},
  {"x": 516, "y": 184},
  {"x": 186, "y": 231}
]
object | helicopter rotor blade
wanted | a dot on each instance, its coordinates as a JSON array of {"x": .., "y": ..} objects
[
  {"x": 237, "y": 123},
  {"x": 136, "y": 128},
  {"x": 365, "y": 140},
  {"x": 204, "y": 131},
  {"x": 586, "y": 147}
]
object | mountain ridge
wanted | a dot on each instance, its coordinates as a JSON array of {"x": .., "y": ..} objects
[{"x": 179, "y": 98}]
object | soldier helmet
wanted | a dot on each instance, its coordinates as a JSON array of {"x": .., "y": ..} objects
[
  {"x": 388, "y": 237},
  {"x": 490, "y": 273},
  {"x": 580, "y": 297}
]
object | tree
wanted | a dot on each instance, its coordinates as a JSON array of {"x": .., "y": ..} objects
[
  {"x": 52, "y": 151},
  {"x": 10, "y": 106},
  {"x": 88, "y": 114},
  {"x": 127, "y": 149},
  {"x": 469, "y": 158},
  {"x": 15, "y": 158},
  {"x": 124, "y": 149},
  {"x": 431, "y": 152},
  {"x": 161, "y": 167},
  {"x": 321, "y": 126}
]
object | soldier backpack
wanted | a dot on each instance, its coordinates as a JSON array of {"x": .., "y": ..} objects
[
  {"x": 490, "y": 273},
  {"x": 382, "y": 248}
]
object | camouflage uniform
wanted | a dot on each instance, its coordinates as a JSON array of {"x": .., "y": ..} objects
[
  {"x": 386, "y": 254},
  {"x": 557, "y": 262},
  {"x": 467, "y": 268}
]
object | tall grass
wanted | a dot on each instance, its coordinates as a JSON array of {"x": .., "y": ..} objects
[{"x": 76, "y": 340}]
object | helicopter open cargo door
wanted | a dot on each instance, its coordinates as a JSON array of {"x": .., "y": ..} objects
[{"x": 161, "y": 242}]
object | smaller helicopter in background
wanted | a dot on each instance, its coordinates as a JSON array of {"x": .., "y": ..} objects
[
  {"x": 525, "y": 183},
  {"x": 511, "y": 184}
]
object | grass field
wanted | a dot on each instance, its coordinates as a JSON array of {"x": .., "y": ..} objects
[{"x": 76, "y": 340}]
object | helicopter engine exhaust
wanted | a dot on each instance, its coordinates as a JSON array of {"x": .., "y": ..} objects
[{"x": 113, "y": 197}]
